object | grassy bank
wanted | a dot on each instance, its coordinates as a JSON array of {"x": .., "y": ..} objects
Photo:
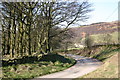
[
  {"x": 100, "y": 52},
  {"x": 108, "y": 55},
  {"x": 108, "y": 70},
  {"x": 33, "y": 67}
]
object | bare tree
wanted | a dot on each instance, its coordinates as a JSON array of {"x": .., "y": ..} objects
[{"x": 29, "y": 27}]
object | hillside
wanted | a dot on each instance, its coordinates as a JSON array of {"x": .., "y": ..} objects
[
  {"x": 93, "y": 29},
  {"x": 96, "y": 28}
]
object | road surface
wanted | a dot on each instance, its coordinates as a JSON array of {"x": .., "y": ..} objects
[{"x": 83, "y": 66}]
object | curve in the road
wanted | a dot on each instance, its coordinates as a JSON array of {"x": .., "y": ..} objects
[{"x": 83, "y": 66}]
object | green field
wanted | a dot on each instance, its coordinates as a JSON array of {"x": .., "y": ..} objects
[
  {"x": 97, "y": 39},
  {"x": 105, "y": 38}
]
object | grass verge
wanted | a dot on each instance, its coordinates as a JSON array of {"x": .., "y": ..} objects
[{"x": 45, "y": 65}]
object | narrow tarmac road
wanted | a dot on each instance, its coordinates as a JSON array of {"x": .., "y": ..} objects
[{"x": 83, "y": 66}]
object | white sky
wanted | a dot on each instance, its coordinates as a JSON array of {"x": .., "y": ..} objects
[{"x": 104, "y": 11}]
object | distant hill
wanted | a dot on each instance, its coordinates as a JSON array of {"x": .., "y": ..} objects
[{"x": 95, "y": 28}]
